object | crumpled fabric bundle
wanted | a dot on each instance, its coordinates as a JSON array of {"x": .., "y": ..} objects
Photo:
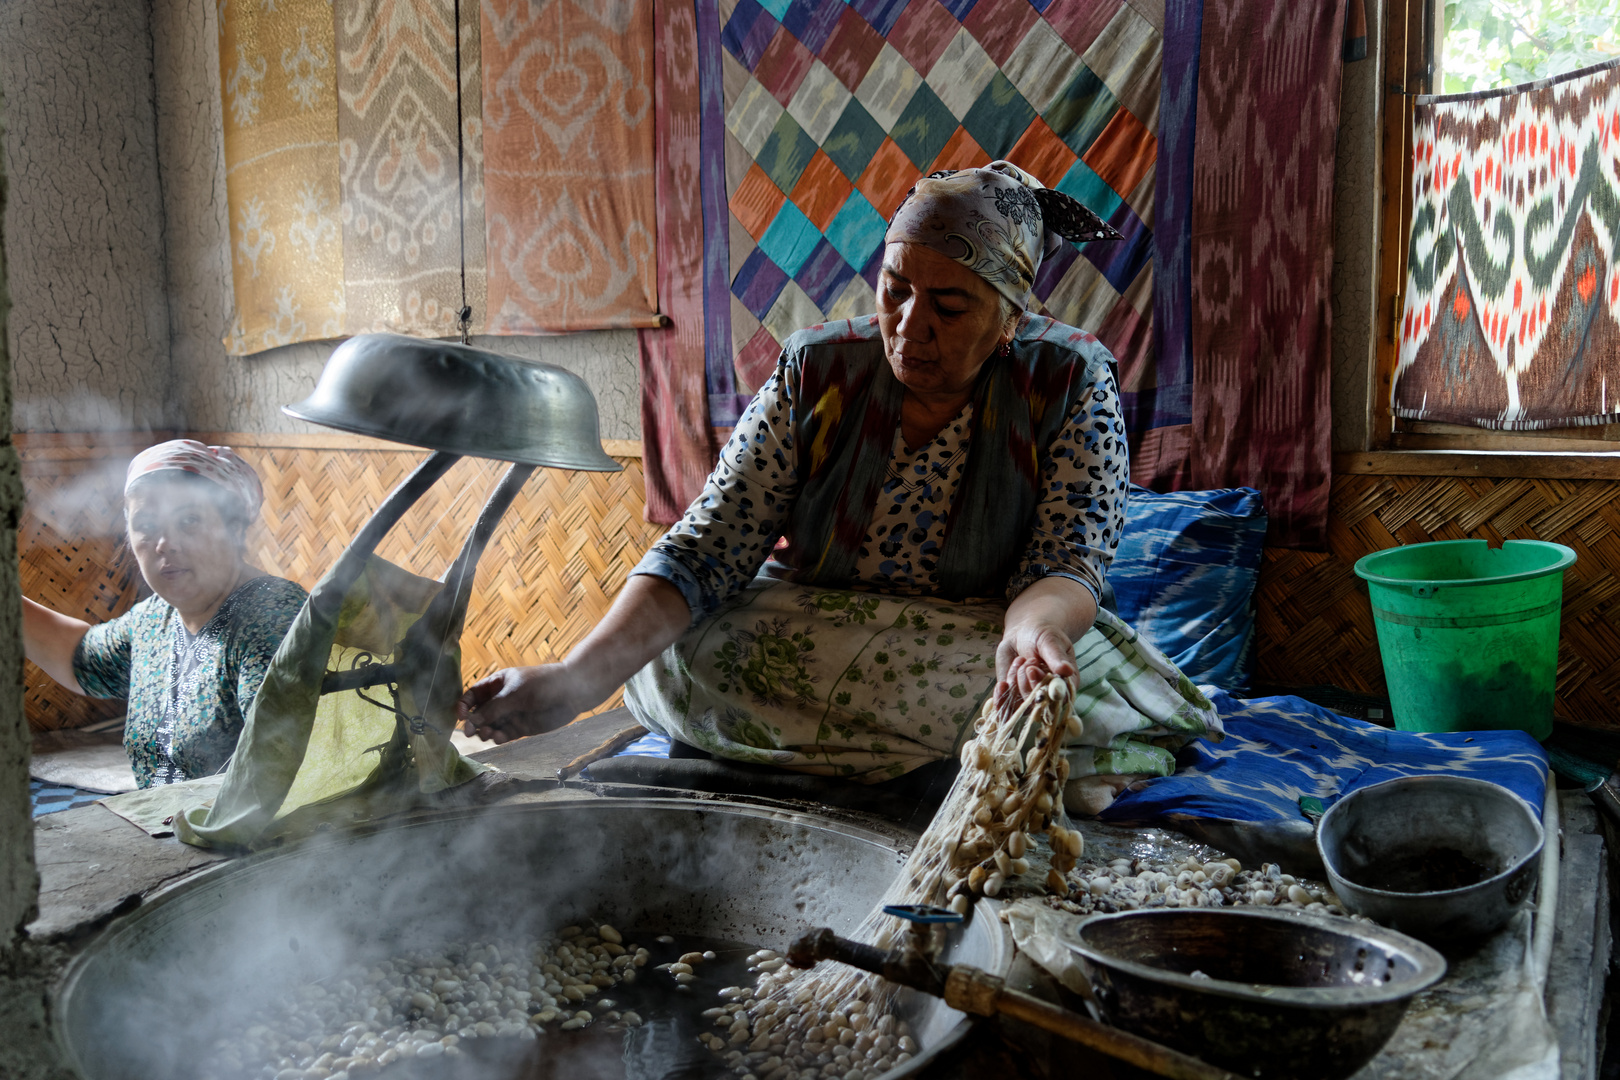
[{"x": 307, "y": 760}]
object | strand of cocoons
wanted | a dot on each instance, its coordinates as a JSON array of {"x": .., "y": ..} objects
[
  {"x": 1015, "y": 770},
  {"x": 838, "y": 1021}
]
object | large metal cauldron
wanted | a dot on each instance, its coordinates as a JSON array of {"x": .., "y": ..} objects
[{"x": 153, "y": 993}]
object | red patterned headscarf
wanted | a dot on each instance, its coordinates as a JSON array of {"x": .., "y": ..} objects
[{"x": 219, "y": 464}]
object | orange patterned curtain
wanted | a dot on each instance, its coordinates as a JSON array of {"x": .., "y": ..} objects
[
  {"x": 402, "y": 239},
  {"x": 347, "y": 211},
  {"x": 278, "y": 79},
  {"x": 568, "y": 138}
]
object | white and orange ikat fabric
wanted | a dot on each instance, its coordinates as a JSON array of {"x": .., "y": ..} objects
[
  {"x": 341, "y": 167},
  {"x": 1512, "y": 313}
]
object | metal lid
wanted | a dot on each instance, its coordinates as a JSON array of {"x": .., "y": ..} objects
[{"x": 456, "y": 398}]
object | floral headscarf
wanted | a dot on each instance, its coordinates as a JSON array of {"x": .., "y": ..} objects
[
  {"x": 997, "y": 221},
  {"x": 220, "y": 464}
]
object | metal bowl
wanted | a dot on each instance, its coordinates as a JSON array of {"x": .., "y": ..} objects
[
  {"x": 1265, "y": 994},
  {"x": 1444, "y": 858},
  {"x": 147, "y": 999},
  {"x": 459, "y": 399}
]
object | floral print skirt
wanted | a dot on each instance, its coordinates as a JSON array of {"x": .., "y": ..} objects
[{"x": 869, "y": 686}]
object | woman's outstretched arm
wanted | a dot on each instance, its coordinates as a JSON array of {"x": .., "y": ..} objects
[
  {"x": 648, "y": 616},
  {"x": 50, "y": 640}
]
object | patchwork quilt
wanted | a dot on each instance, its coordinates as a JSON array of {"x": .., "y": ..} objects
[{"x": 833, "y": 110}]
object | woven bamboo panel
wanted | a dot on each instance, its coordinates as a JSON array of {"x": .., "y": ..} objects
[
  {"x": 71, "y": 558},
  {"x": 559, "y": 556},
  {"x": 1315, "y": 622}
]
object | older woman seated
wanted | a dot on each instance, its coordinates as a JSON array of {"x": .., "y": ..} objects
[
  {"x": 189, "y": 659},
  {"x": 828, "y": 603}
]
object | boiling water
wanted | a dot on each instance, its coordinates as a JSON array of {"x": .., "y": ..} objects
[
  {"x": 664, "y": 1047},
  {"x": 662, "y": 1044}
]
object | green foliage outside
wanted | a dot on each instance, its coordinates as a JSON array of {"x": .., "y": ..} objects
[{"x": 1492, "y": 43}]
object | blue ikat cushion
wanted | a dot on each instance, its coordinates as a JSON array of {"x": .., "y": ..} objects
[{"x": 1184, "y": 577}]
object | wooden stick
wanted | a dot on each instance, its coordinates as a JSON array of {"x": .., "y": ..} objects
[
  {"x": 612, "y": 746},
  {"x": 974, "y": 991}
]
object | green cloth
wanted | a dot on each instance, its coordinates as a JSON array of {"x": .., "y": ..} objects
[
  {"x": 305, "y": 759},
  {"x": 154, "y": 809}
]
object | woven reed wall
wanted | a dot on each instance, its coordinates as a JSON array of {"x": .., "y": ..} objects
[
  {"x": 1315, "y": 621},
  {"x": 561, "y": 552}
]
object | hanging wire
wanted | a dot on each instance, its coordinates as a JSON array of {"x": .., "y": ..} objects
[{"x": 464, "y": 315}]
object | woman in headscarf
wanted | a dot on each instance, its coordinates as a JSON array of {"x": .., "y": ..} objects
[
  {"x": 919, "y": 505},
  {"x": 189, "y": 659}
]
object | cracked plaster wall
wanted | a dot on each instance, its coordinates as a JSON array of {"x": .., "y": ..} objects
[
  {"x": 1355, "y": 241},
  {"x": 89, "y": 333},
  {"x": 26, "y": 1051},
  {"x": 216, "y": 392}
]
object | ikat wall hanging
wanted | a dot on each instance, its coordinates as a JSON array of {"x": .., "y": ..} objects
[
  {"x": 354, "y": 209},
  {"x": 1512, "y": 313}
]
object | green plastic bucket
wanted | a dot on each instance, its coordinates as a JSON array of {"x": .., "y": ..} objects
[{"x": 1469, "y": 633}]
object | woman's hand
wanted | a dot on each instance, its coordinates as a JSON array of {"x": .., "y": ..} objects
[
  {"x": 648, "y": 616},
  {"x": 1043, "y": 623},
  {"x": 1028, "y": 657},
  {"x": 519, "y": 701}
]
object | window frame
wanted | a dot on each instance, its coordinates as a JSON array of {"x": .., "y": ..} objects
[{"x": 1409, "y": 39}]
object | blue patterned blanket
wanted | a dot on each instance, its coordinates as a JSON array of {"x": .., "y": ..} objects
[{"x": 1279, "y": 750}]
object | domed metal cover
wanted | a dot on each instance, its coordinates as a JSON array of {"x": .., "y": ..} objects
[{"x": 456, "y": 398}]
